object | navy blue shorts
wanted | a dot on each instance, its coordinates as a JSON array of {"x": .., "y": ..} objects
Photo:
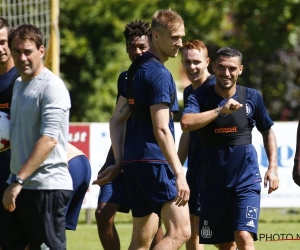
[
  {"x": 225, "y": 211},
  {"x": 39, "y": 218},
  {"x": 197, "y": 202},
  {"x": 115, "y": 192},
  {"x": 150, "y": 186},
  {"x": 80, "y": 170},
  {"x": 192, "y": 181}
]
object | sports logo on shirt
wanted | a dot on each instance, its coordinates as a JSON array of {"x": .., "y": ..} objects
[
  {"x": 226, "y": 130},
  {"x": 205, "y": 231},
  {"x": 251, "y": 212},
  {"x": 131, "y": 101},
  {"x": 247, "y": 109}
]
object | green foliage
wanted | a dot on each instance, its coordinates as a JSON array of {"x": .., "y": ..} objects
[
  {"x": 272, "y": 221},
  {"x": 93, "y": 47}
]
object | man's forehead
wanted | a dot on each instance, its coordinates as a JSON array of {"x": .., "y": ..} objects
[
  {"x": 22, "y": 43},
  {"x": 228, "y": 60},
  {"x": 4, "y": 32}
]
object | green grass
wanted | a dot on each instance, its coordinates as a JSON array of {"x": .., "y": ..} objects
[{"x": 272, "y": 221}]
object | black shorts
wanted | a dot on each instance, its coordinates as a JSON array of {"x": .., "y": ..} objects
[
  {"x": 39, "y": 218},
  {"x": 3, "y": 212}
]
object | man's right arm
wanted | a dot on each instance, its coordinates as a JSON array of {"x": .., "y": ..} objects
[
  {"x": 194, "y": 121},
  {"x": 183, "y": 147},
  {"x": 163, "y": 135},
  {"x": 117, "y": 127}
]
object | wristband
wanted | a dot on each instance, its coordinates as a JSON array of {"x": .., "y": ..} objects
[{"x": 18, "y": 181}]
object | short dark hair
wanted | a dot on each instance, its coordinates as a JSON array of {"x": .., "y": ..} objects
[
  {"x": 26, "y": 31},
  {"x": 137, "y": 28},
  {"x": 228, "y": 52},
  {"x": 4, "y": 23}
]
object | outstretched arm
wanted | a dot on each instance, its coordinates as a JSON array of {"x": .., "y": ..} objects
[
  {"x": 271, "y": 175},
  {"x": 296, "y": 169}
]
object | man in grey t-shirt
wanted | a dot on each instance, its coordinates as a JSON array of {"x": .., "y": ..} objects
[{"x": 40, "y": 185}]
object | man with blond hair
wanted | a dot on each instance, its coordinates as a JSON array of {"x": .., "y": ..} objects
[{"x": 152, "y": 170}]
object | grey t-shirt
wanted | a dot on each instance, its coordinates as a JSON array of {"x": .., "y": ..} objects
[{"x": 41, "y": 107}]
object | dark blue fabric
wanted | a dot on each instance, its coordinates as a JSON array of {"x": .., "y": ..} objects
[
  {"x": 228, "y": 166},
  {"x": 153, "y": 84},
  {"x": 150, "y": 186},
  {"x": 194, "y": 153},
  {"x": 80, "y": 170},
  {"x": 227, "y": 210},
  {"x": 115, "y": 192},
  {"x": 6, "y": 86}
]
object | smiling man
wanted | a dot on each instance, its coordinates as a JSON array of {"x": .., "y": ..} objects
[
  {"x": 195, "y": 61},
  {"x": 224, "y": 115}
]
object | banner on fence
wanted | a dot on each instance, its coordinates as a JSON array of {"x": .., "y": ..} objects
[{"x": 94, "y": 140}]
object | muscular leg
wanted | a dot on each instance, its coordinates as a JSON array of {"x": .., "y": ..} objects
[
  {"x": 158, "y": 236},
  {"x": 143, "y": 232},
  {"x": 193, "y": 242},
  {"x": 244, "y": 240},
  {"x": 226, "y": 246},
  {"x": 108, "y": 235},
  {"x": 178, "y": 228}
]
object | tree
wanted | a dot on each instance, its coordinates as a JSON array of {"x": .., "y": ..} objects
[{"x": 93, "y": 47}]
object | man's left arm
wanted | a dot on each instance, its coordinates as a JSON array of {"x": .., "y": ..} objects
[
  {"x": 271, "y": 174},
  {"x": 165, "y": 140}
]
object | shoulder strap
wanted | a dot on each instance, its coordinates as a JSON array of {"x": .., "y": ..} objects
[{"x": 241, "y": 94}]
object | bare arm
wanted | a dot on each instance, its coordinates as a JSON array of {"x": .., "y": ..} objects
[
  {"x": 296, "y": 168},
  {"x": 40, "y": 152},
  {"x": 109, "y": 158},
  {"x": 271, "y": 175},
  {"x": 117, "y": 127},
  {"x": 193, "y": 121},
  {"x": 73, "y": 151},
  {"x": 183, "y": 147},
  {"x": 160, "y": 120}
]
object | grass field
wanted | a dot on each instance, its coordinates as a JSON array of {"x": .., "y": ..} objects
[{"x": 273, "y": 223}]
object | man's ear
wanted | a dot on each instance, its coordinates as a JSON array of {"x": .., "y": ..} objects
[
  {"x": 155, "y": 35},
  {"x": 241, "y": 70},
  {"x": 42, "y": 51},
  {"x": 213, "y": 65}
]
